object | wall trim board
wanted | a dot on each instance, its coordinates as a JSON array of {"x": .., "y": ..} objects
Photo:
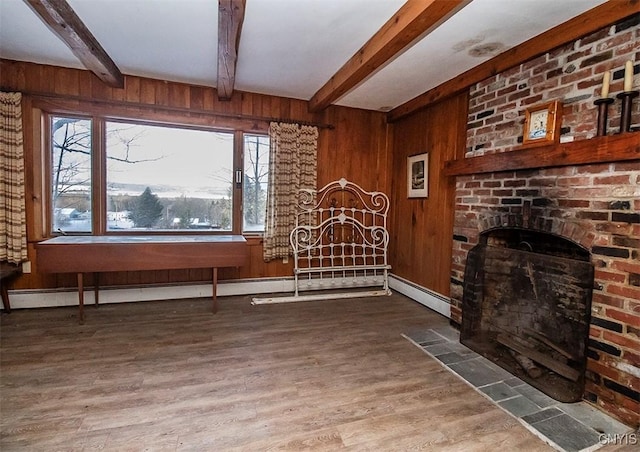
[
  {"x": 429, "y": 298},
  {"x": 48, "y": 298}
]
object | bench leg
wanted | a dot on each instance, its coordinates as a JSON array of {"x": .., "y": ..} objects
[
  {"x": 215, "y": 290},
  {"x": 96, "y": 279},
  {"x": 80, "y": 299},
  {"x": 5, "y": 298}
]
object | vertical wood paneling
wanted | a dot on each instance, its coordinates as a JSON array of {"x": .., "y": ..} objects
[
  {"x": 353, "y": 152},
  {"x": 32, "y": 75},
  {"x": 98, "y": 89},
  {"x": 132, "y": 89},
  {"x": 356, "y": 149},
  {"x": 147, "y": 90},
  {"x": 16, "y": 73},
  {"x": 246, "y": 108},
  {"x": 130, "y": 278},
  {"x": 209, "y": 98},
  {"x": 178, "y": 95},
  {"x": 118, "y": 94},
  {"x": 196, "y": 97},
  {"x": 47, "y": 80},
  {"x": 421, "y": 229},
  {"x": 162, "y": 93},
  {"x": 84, "y": 88}
]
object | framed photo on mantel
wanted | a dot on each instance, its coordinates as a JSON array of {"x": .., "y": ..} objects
[
  {"x": 418, "y": 176},
  {"x": 542, "y": 124}
]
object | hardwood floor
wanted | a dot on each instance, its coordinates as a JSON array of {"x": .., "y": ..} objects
[{"x": 169, "y": 375}]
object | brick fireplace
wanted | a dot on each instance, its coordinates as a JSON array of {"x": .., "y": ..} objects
[
  {"x": 594, "y": 205},
  {"x": 527, "y": 303},
  {"x": 597, "y": 207}
]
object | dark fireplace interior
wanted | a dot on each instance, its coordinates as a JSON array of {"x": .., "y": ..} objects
[{"x": 526, "y": 306}]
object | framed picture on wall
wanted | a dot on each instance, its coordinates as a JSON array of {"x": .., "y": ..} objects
[{"x": 418, "y": 176}]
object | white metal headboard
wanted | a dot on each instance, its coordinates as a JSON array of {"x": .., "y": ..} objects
[{"x": 340, "y": 241}]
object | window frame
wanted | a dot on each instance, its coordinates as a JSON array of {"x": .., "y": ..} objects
[
  {"x": 47, "y": 161},
  {"x": 99, "y": 170}
]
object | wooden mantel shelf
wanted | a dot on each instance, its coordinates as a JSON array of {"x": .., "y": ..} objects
[{"x": 606, "y": 149}]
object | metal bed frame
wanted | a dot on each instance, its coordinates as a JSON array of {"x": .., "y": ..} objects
[{"x": 340, "y": 241}]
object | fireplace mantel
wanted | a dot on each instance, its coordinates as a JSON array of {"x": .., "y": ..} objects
[{"x": 613, "y": 148}]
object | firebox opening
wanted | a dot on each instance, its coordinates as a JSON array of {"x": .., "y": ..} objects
[
  {"x": 526, "y": 306},
  {"x": 535, "y": 242}
]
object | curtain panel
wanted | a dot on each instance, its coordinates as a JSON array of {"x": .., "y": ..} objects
[
  {"x": 292, "y": 166},
  {"x": 13, "y": 224}
]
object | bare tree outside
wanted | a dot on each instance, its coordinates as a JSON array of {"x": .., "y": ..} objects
[
  {"x": 71, "y": 169},
  {"x": 256, "y": 177},
  {"x": 71, "y": 172}
]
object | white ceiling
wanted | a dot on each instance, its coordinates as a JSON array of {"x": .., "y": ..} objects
[{"x": 287, "y": 47}]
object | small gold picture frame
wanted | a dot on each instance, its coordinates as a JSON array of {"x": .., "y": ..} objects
[{"x": 542, "y": 124}]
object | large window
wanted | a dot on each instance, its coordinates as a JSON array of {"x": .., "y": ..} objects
[
  {"x": 115, "y": 176},
  {"x": 168, "y": 178}
]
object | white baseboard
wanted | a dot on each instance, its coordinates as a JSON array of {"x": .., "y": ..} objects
[
  {"x": 322, "y": 296},
  {"x": 422, "y": 295},
  {"x": 43, "y": 298}
]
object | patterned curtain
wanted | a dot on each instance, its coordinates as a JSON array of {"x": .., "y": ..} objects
[
  {"x": 292, "y": 166},
  {"x": 13, "y": 224}
]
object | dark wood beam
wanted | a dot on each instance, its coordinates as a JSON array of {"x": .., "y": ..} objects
[
  {"x": 414, "y": 19},
  {"x": 64, "y": 22},
  {"x": 230, "y": 18},
  {"x": 588, "y": 22}
]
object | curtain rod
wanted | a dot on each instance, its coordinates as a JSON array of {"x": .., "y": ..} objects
[{"x": 238, "y": 116}]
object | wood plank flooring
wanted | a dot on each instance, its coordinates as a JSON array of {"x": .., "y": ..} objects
[{"x": 169, "y": 375}]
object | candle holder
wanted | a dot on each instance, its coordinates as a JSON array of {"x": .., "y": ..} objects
[
  {"x": 625, "y": 113},
  {"x": 603, "y": 112}
]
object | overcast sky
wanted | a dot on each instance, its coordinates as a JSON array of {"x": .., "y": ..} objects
[{"x": 182, "y": 158}]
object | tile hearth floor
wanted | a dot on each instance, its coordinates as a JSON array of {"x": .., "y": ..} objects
[{"x": 565, "y": 426}]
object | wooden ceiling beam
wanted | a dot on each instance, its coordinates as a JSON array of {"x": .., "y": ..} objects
[
  {"x": 414, "y": 19},
  {"x": 230, "y": 18},
  {"x": 62, "y": 19},
  {"x": 596, "y": 18}
]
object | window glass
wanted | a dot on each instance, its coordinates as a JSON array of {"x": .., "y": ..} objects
[
  {"x": 71, "y": 174},
  {"x": 256, "y": 178},
  {"x": 168, "y": 178}
]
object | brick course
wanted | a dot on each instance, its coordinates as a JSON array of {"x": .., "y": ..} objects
[
  {"x": 572, "y": 74},
  {"x": 596, "y": 205}
]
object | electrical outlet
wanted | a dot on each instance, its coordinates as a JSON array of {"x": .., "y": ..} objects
[
  {"x": 285, "y": 260},
  {"x": 26, "y": 267}
]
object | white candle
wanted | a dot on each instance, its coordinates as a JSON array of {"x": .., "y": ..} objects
[
  {"x": 628, "y": 76},
  {"x": 606, "y": 79}
]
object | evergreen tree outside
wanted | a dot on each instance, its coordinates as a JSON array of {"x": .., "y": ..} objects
[{"x": 146, "y": 210}]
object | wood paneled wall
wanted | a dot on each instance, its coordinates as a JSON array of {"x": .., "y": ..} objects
[
  {"x": 356, "y": 148},
  {"x": 421, "y": 228}
]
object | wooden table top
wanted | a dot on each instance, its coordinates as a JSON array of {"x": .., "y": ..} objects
[
  {"x": 131, "y": 239},
  {"x": 75, "y": 254}
]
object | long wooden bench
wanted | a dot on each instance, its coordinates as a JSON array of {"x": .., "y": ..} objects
[{"x": 96, "y": 254}]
